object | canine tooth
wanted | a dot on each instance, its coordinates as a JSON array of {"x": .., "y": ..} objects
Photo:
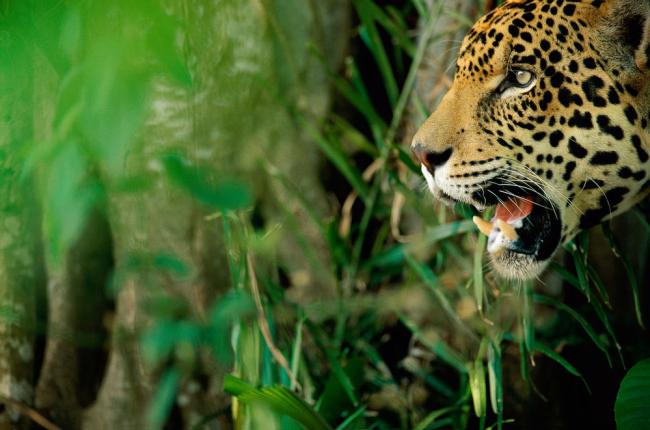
[
  {"x": 484, "y": 226},
  {"x": 508, "y": 230}
]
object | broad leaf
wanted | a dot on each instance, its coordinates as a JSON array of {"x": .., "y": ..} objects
[{"x": 632, "y": 408}]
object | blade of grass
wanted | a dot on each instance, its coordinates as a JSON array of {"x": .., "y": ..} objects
[
  {"x": 352, "y": 135},
  {"x": 422, "y": 9},
  {"x": 441, "y": 349},
  {"x": 352, "y": 418},
  {"x": 591, "y": 332},
  {"x": 462, "y": 19},
  {"x": 644, "y": 221},
  {"x": 564, "y": 274},
  {"x": 164, "y": 398},
  {"x": 499, "y": 424},
  {"x": 407, "y": 160},
  {"x": 581, "y": 270},
  {"x": 436, "y": 383},
  {"x": 355, "y": 93},
  {"x": 232, "y": 265},
  {"x": 397, "y": 30},
  {"x": 528, "y": 319},
  {"x": 523, "y": 362},
  {"x": 377, "y": 124},
  {"x": 476, "y": 372},
  {"x": 409, "y": 83},
  {"x": 370, "y": 36},
  {"x": 297, "y": 348},
  {"x": 426, "y": 423},
  {"x": 479, "y": 292},
  {"x": 603, "y": 316},
  {"x": 495, "y": 377},
  {"x": 459, "y": 255},
  {"x": 338, "y": 158},
  {"x": 561, "y": 361},
  {"x": 342, "y": 377},
  {"x": 396, "y": 254},
  {"x": 431, "y": 281},
  {"x": 288, "y": 185},
  {"x": 279, "y": 398},
  {"x": 629, "y": 271},
  {"x": 583, "y": 287},
  {"x": 355, "y": 262},
  {"x": 376, "y": 359},
  {"x": 598, "y": 283},
  {"x": 445, "y": 231}
]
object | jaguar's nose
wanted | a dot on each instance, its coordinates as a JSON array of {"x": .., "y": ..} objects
[{"x": 429, "y": 158}]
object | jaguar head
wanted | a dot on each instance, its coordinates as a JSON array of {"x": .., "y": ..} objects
[{"x": 547, "y": 121}]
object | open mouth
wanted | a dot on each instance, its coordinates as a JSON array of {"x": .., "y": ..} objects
[
  {"x": 524, "y": 232},
  {"x": 522, "y": 225}
]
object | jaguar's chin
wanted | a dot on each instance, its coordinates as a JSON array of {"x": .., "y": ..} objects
[{"x": 523, "y": 235}]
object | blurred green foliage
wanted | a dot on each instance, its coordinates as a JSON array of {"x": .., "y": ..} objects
[
  {"x": 104, "y": 57},
  {"x": 430, "y": 297}
]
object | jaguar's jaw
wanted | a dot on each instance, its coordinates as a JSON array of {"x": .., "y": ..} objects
[
  {"x": 522, "y": 236},
  {"x": 525, "y": 231}
]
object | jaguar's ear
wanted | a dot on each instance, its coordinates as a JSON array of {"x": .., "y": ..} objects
[
  {"x": 642, "y": 53},
  {"x": 626, "y": 31}
]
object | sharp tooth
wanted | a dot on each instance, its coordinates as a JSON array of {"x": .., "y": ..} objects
[
  {"x": 484, "y": 226},
  {"x": 508, "y": 230}
]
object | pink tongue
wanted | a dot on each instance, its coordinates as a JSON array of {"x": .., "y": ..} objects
[{"x": 514, "y": 209}]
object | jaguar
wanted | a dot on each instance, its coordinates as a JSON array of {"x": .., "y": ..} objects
[{"x": 546, "y": 122}]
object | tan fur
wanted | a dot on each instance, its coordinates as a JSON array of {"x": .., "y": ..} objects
[{"x": 485, "y": 129}]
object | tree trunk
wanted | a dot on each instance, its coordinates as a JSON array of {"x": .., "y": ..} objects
[
  {"x": 232, "y": 120},
  {"x": 20, "y": 263}
]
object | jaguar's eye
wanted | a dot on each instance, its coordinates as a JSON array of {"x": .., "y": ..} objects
[
  {"x": 522, "y": 77},
  {"x": 517, "y": 81}
]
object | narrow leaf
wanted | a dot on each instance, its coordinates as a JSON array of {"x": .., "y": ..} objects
[
  {"x": 278, "y": 398},
  {"x": 561, "y": 361}
]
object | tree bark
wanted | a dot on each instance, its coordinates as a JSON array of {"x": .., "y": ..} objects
[
  {"x": 20, "y": 263},
  {"x": 232, "y": 119}
]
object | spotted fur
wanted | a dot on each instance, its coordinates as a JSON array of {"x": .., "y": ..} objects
[{"x": 580, "y": 134}]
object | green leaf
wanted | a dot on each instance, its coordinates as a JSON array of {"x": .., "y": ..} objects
[
  {"x": 477, "y": 386},
  {"x": 560, "y": 360},
  {"x": 583, "y": 285},
  {"x": 580, "y": 261},
  {"x": 431, "y": 281},
  {"x": 442, "y": 350},
  {"x": 234, "y": 306},
  {"x": 336, "y": 155},
  {"x": 431, "y": 418},
  {"x": 370, "y": 35},
  {"x": 353, "y": 419},
  {"x": 632, "y": 409},
  {"x": 396, "y": 255},
  {"x": 565, "y": 274},
  {"x": 278, "y": 398},
  {"x": 629, "y": 271},
  {"x": 159, "y": 341},
  {"x": 528, "y": 317},
  {"x": 339, "y": 393},
  {"x": 70, "y": 196},
  {"x": 170, "y": 263},
  {"x": 495, "y": 377},
  {"x": 478, "y": 271},
  {"x": 163, "y": 400},
  {"x": 579, "y": 318},
  {"x": 225, "y": 196}
]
